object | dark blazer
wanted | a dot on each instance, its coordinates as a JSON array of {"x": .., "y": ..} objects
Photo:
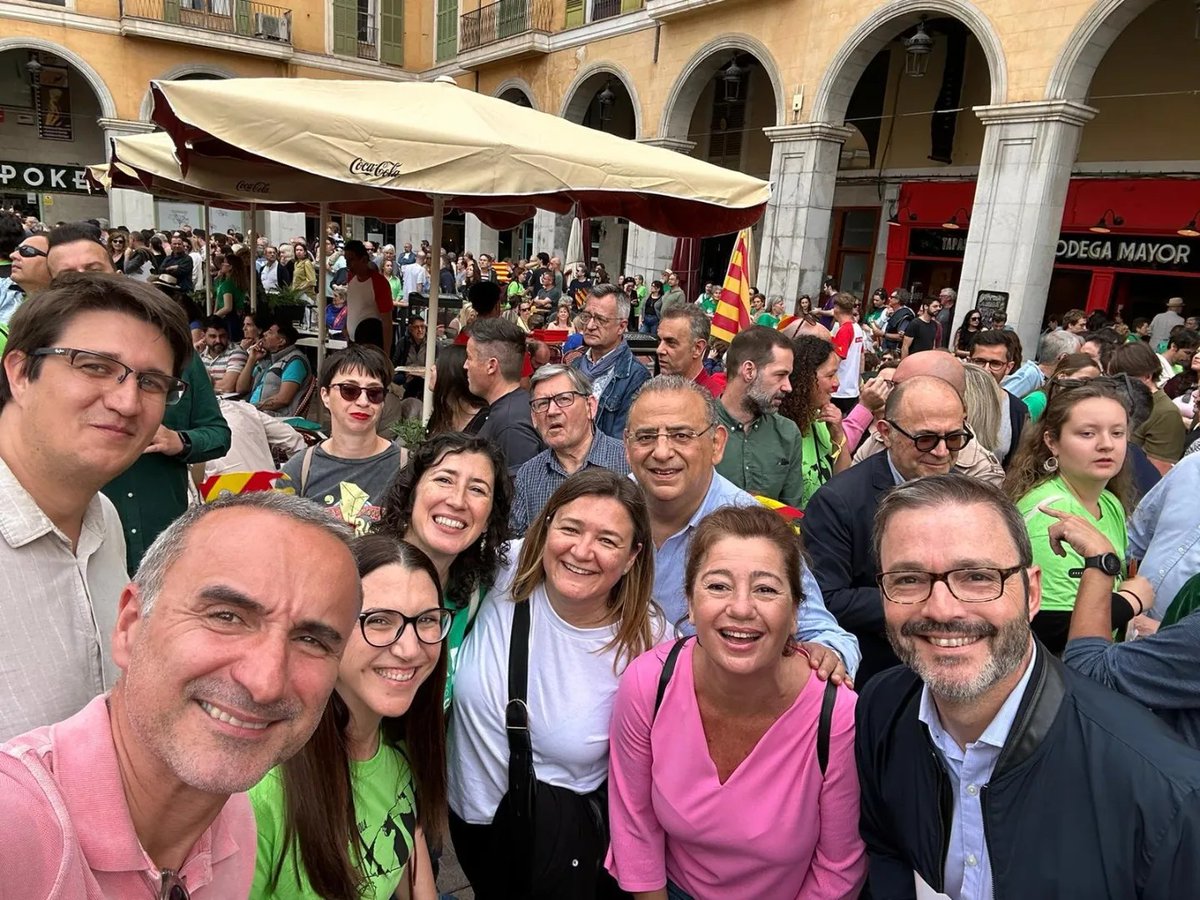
[
  {"x": 837, "y": 534},
  {"x": 1018, "y": 414},
  {"x": 1092, "y": 798}
]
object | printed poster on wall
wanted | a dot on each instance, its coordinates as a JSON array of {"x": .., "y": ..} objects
[{"x": 54, "y": 105}]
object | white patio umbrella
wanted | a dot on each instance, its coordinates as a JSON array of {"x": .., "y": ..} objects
[{"x": 442, "y": 146}]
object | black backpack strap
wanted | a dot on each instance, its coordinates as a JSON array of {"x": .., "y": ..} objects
[
  {"x": 825, "y": 725},
  {"x": 668, "y": 670}
]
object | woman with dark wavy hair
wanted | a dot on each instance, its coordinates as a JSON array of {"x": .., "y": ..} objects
[
  {"x": 810, "y": 405},
  {"x": 346, "y": 818},
  {"x": 452, "y": 501}
]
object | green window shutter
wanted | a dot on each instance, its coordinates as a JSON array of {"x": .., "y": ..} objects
[
  {"x": 630, "y": 5},
  {"x": 513, "y": 18},
  {"x": 575, "y": 13},
  {"x": 171, "y": 11},
  {"x": 345, "y": 27},
  {"x": 391, "y": 32},
  {"x": 447, "y": 29},
  {"x": 241, "y": 16}
]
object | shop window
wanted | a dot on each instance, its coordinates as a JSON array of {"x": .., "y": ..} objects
[{"x": 853, "y": 250}]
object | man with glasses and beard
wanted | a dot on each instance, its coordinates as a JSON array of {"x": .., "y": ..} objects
[
  {"x": 564, "y": 414},
  {"x": 923, "y": 429},
  {"x": 988, "y": 769},
  {"x": 762, "y": 455},
  {"x": 609, "y": 362}
]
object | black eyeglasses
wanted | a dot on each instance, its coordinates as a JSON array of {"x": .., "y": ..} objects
[
  {"x": 28, "y": 251},
  {"x": 172, "y": 887},
  {"x": 977, "y": 584},
  {"x": 562, "y": 401},
  {"x": 1121, "y": 383},
  {"x": 104, "y": 368},
  {"x": 383, "y": 627},
  {"x": 351, "y": 392},
  {"x": 928, "y": 440}
]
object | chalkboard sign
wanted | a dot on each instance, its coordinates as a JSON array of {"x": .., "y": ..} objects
[{"x": 989, "y": 303}]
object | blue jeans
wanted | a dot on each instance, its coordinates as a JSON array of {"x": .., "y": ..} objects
[{"x": 675, "y": 892}]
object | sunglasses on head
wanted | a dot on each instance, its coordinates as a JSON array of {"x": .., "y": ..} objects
[
  {"x": 30, "y": 252},
  {"x": 351, "y": 392}
]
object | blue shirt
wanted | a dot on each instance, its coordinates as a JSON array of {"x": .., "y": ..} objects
[
  {"x": 1164, "y": 533},
  {"x": 968, "y": 870},
  {"x": 813, "y": 621},
  {"x": 1027, "y": 379}
]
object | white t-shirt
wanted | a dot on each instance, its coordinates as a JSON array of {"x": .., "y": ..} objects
[
  {"x": 415, "y": 277},
  {"x": 850, "y": 369},
  {"x": 572, "y": 687},
  {"x": 360, "y": 303}
]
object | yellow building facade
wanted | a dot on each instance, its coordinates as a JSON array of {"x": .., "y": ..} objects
[{"x": 1020, "y": 125}]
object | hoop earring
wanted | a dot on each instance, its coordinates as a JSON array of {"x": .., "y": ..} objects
[{"x": 1050, "y": 466}]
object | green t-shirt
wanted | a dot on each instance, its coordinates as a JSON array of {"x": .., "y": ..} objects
[
  {"x": 767, "y": 319},
  {"x": 227, "y": 286},
  {"x": 386, "y": 809},
  {"x": 1058, "y": 587},
  {"x": 708, "y": 304},
  {"x": 1036, "y": 404},
  {"x": 817, "y": 459}
]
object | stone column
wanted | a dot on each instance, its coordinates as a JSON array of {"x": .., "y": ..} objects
[
  {"x": 650, "y": 252},
  {"x": 479, "y": 238},
  {"x": 1024, "y": 173},
  {"x": 795, "y": 241},
  {"x": 134, "y": 209},
  {"x": 414, "y": 231},
  {"x": 551, "y": 231},
  {"x": 282, "y": 227}
]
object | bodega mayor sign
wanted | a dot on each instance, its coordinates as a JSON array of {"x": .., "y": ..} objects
[
  {"x": 1170, "y": 254},
  {"x": 42, "y": 178}
]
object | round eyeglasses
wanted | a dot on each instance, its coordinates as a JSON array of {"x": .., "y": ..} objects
[{"x": 383, "y": 627}]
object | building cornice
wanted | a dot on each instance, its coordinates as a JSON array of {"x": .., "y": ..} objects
[
  {"x": 1032, "y": 111},
  {"x": 808, "y": 131}
]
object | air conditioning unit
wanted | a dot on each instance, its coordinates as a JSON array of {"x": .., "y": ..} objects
[{"x": 273, "y": 28}]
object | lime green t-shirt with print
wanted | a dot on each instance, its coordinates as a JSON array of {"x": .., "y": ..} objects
[
  {"x": 386, "y": 810},
  {"x": 1058, "y": 586},
  {"x": 817, "y": 458}
]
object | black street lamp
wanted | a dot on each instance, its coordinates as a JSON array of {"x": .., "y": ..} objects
[{"x": 916, "y": 52}]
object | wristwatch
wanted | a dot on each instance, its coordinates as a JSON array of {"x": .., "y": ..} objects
[
  {"x": 187, "y": 449},
  {"x": 1108, "y": 563}
]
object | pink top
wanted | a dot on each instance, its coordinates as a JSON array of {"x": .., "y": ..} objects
[
  {"x": 758, "y": 835},
  {"x": 855, "y": 424},
  {"x": 67, "y": 833}
]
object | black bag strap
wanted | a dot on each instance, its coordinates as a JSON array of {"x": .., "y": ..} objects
[
  {"x": 668, "y": 670},
  {"x": 825, "y": 725},
  {"x": 520, "y": 749}
]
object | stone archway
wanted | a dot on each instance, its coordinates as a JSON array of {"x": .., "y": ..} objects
[
  {"x": 185, "y": 71},
  {"x": 513, "y": 89},
  {"x": 881, "y": 27},
  {"x": 699, "y": 71},
  {"x": 1081, "y": 55},
  {"x": 579, "y": 96},
  {"x": 108, "y": 106}
]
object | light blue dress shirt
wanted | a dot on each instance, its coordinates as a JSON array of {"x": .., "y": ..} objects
[
  {"x": 1027, "y": 379},
  {"x": 1164, "y": 533},
  {"x": 968, "y": 870},
  {"x": 813, "y": 621}
]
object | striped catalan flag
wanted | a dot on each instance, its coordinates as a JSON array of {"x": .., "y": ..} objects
[{"x": 733, "y": 305}]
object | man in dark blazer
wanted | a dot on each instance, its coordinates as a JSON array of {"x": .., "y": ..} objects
[{"x": 840, "y": 515}]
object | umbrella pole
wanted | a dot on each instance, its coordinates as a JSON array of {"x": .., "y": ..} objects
[
  {"x": 322, "y": 327},
  {"x": 431, "y": 314},
  {"x": 252, "y": 240},
  {"x": 208, "y": 300}
]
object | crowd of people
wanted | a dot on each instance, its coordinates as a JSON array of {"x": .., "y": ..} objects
[{"x": 856, "y": 604}]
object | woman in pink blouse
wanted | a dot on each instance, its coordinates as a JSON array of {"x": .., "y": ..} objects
[{"x": 720, "y": 792}]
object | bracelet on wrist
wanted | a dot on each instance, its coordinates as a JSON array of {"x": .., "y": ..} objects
[{"x": 1141, "y": 604}]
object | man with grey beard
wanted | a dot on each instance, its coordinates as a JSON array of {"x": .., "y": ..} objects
[
  {"x": 764, "y": 449},
  {"x": 986, "y": 768}
]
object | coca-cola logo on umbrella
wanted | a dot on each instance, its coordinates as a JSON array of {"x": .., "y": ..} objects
[
  {"x": 382, "y": 169},
  {"x": 254, "y": 187}
]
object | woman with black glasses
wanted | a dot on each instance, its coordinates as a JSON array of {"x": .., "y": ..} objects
[
  {"x": 346, "y": 818},
  {"x": 965, "y": 335},
  {"x": 349, "y": 473}
]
